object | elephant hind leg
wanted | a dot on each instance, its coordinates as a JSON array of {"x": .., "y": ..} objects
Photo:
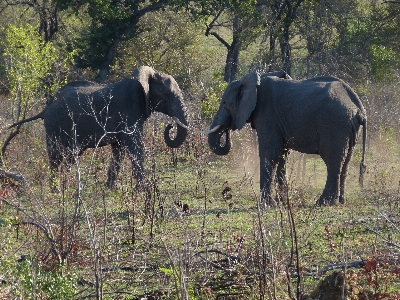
[
  {"x": 54, "y": 152},
  {"x": 330, "y": 195},
  {"x": 117, "y": 152},
  {"x": 343, "y": 175}
]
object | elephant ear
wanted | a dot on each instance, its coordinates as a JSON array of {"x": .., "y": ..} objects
[
  {"x": 246, "y": 98},
  {"x": 144, "y": 75}
]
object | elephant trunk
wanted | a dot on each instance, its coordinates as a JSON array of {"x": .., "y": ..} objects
[
  {"x": 181, "y": 132},
  {"x": 214, "y": 141}
]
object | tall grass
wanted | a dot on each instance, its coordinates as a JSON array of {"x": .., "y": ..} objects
[{"x": 199, "y": 233}]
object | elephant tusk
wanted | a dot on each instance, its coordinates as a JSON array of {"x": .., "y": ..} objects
[
  {"x": 181, "y": 124},
  {"x": 207, "y": 132}
]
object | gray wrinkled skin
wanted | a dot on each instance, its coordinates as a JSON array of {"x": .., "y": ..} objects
[
  {"x": 88, "y": 115},
  {"x": 316, "y": 116}
]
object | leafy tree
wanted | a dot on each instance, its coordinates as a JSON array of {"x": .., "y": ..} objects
[
  {"x": 347, "y": 39},
  {"x": 46, "y": 10},
  {"x": 112, "y": 22},
  {"x": 33, "y": 68},
  {"x": 235, "y": 24},
  {"x": 283, "y": 14},
  {"x": 383, "y": 61},
  {"x": 172, "y": 42},
  {"x": 317, "y": 25}
]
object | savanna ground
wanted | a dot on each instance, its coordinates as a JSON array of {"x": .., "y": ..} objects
[{"x": 200, "y": 234}]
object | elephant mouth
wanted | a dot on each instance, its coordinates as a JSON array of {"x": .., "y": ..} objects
[{"x": 223, "y": 137}]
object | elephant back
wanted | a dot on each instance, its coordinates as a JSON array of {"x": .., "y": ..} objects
[{"x": 311, "y": 102}]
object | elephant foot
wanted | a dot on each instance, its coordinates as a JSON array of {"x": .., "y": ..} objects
[
  {"x": 267, "y": 203},
  {"x": 142, "y": 186},
  {"x": 282, "y": 197},
  {"x": 54, "y": 189},
  {"x": 342, "y": 199},
  {"x": 327, "y": 201},
  {"x": 110, "y": 185}
]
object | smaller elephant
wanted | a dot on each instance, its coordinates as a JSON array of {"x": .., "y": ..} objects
[
  {"x": 316, "y": 116},
  {"x": 85, "y": 115}
]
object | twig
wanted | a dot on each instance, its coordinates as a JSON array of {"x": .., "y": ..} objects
[
  {"x": 230, "y": 259},
  {"x": 390, "y": 243},
  {"x": 32, "y": 221},
  {"x": 4, "y": 173}
]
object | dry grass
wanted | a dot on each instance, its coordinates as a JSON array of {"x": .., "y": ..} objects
[{"x": 190, "y": 239}]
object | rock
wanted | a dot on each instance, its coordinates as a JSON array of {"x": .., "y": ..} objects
[{"x": 331, "y": 288}]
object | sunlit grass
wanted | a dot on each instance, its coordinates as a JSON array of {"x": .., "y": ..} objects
[{"x": 219, "y": 242}]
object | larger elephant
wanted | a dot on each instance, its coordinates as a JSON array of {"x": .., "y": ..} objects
[
  {"x": 89, "y": 115},
  {"x": 318, "y": 116}
]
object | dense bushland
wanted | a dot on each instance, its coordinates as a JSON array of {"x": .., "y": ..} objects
[{"x": 200, "y": 233}]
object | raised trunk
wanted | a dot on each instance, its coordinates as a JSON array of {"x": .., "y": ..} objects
[{"x": 214, "y": 141}]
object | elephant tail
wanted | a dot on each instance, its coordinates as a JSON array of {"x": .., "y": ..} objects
[
  {"x": 363, "y": 167},
  {"x": 38, "y": 116}
]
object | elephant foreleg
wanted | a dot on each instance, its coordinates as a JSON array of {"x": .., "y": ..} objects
[
  {"x": 281, "y": 179},
  {"x": 267, "y": 174},
  {"x": 135, "y": 151},
  {"x": 117, "y": 156}
]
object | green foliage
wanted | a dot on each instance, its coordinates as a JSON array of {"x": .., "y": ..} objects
[
  {"x": 32, "y": 279},
  {"x": 210, "y": 103},
  {"x": 26, "y": 275},
  {"x": 210, "y": 7},
  {"x": 168, "y": 42},
  {"x": 176, "y": 275},
  {"x": 31, "y": 65},
  {"x": 111, "y": 23},
  {"x": 28, "y": 61},
  {"x": 388, "y": 137},
  {"x": 384, "y": 62}
]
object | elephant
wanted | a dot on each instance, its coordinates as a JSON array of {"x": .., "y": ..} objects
[
  {"x": 321, "y": 116},
  {"x": 85, "y": 115}
]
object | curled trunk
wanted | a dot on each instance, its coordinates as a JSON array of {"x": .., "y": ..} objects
[
  {"x": 179, "y": 138},
  {"x": 214, "y": 141}
]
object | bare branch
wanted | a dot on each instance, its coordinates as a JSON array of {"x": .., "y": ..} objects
[
  {"x": 211, "y": 25},
  {"x": 221, "y": 39},
  {"x": 32, "y": 221}
]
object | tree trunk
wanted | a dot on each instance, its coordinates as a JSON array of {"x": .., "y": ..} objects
[
  {"x": 232, "y": 58},
  {"x": 232, "y": 61},
  {"x": 286, "y": 51},
  {"x": 285, "y": 11},
  {"x": 48, "y": 18},
  {"x": 108, "y": 59}
]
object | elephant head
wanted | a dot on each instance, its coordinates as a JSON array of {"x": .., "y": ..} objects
[
  {"x": 163, "y": 94},
  {"x": 238, "y": 102}
]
